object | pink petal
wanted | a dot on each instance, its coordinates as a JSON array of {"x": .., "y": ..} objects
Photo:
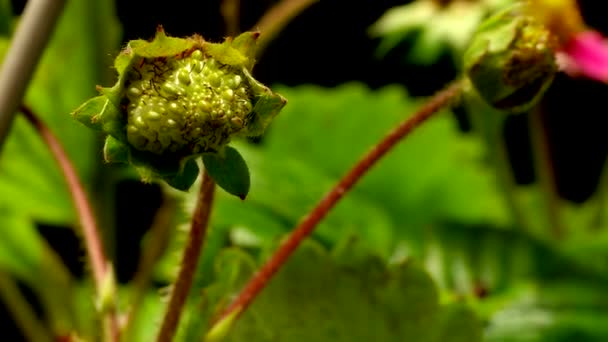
[{"x": 587, "y": 55}]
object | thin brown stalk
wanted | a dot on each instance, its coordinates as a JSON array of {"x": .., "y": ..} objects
[
  {"x": 260, "y": 279},
  {"x": 192, "y": 252},
  {"x": 277, "y": 17},
  {"x": 90, "y": 232},
  {"x": 230, "y": 10}
]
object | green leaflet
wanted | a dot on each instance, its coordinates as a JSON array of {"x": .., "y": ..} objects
[
  {"x": 313, "y": 298},
  {"x": 229, "y": 170}
]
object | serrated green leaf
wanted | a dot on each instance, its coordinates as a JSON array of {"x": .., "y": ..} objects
[
  {"x": 434, "y": 175},
  {"x": 314, "y": 299},
  {"x": 229, "y": 170}
]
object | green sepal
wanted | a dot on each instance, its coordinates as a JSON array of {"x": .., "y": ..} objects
[
  {"x": 267, "y": 105},
  {"x": 161, "y": 45},
  {"x": 184, "y": 179},
  {"x": 245, "y": 43},
  {"x": 226, "y": 54},
  {"x": 238, "y": 52},
  {"x": 229, "y": 170},
  {"x": 115, "y": 151},
  {"x": 123, "y": 61},
  {"x": 91, "y": 112}
]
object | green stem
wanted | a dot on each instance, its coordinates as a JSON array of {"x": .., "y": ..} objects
[
  {"x": 544, "y": 172},
  {"x": 489, "y": 123},
  {"x": 21, "y": 311},
  {"x": 262, "y": 277},
  {"x": 192, "y": 252}
]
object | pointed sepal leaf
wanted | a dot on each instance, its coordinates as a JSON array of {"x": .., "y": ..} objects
[
  {"x": 115, "y": 151},
  {"x": 245, "y": 43},
  {"x": 163, "y": 45},
  {"x": 229, "y": 170},
  {"x": 226, "y": 54},
  {"x": 89, "y": 113},
  {"x": 185, "y": 178},
  {"x": 267, "y": 105}
]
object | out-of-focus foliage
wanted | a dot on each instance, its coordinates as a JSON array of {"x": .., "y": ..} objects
[
  {"x": 434, "y": 28},
  {"x": 32, "y": 189},
  {"x": 436, "y": 175},
  {"x": 425, "y": 248},
  {"x": 433, "y": 199},
  {"x": 345, "y": 297}
]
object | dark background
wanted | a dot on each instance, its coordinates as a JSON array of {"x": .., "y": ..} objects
[{"x": 328, "y": 45}]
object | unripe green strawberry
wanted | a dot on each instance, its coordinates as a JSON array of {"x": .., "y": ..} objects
[
  {"x": 177, "y": 99},
  {"x": 189, "y": 105},
  {"x": 511, "y": 59}
]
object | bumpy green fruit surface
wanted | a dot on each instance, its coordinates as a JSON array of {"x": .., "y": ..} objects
[
  {"x": 177, "y": 99},
  {"x": 189, "y": 105},
  {"x": 511, "y": 59}
]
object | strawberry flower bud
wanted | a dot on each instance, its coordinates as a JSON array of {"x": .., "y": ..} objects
[
  {"x": 511, "y": 60},
  {"x": 177, "y": 99}
]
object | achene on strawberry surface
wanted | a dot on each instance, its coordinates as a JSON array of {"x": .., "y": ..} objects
[{"x": 177, "y": 99}]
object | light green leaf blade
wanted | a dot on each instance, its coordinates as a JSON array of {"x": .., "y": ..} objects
[
  {"x": 21, "y": 247},
  {"x": 30, "y": 182},
  {"x": 436, "y": 174}
]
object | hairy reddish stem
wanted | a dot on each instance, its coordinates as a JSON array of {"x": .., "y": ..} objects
[
  {"x": 261, "y": 278},
  {"x": 92, "y": 240},
  {"x": 192, "y": 252}
]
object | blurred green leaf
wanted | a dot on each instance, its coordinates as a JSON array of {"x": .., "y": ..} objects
[
  {"x": 6, "y": 18},
  {"x": 314, "y": 299},
  {"x": 561, "y": 311},
  {"x": 433, "y": 28},
  {"x": 21, "y": 246},
  {"x": 436, "y": 174},
  {"x": 30, "y": 182}
]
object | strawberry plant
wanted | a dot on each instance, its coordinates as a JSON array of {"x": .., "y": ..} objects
[{"x": 299, "y": 212}]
